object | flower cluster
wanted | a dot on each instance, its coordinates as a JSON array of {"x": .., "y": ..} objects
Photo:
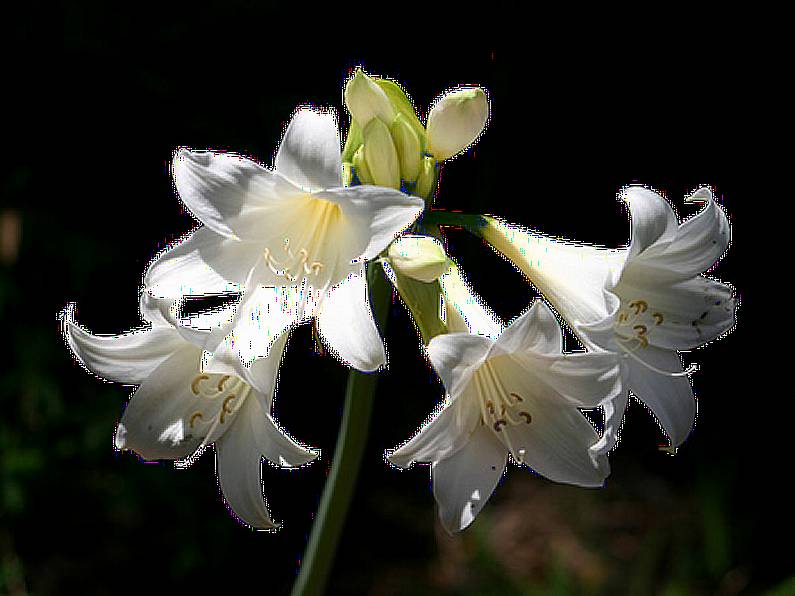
[{"x": 292, "y": 244}]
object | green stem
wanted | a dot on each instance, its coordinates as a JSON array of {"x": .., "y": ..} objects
[
  {"x": 351, "y": 441},
  {"x": 471, "y": 223}
]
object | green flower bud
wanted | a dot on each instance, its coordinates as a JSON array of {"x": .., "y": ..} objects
[
  {"x": 418, "y": 257},
  {"x": 360, "y": 166},
  {"x": 365, "y": 100},
  {"x": 456, "y": 121},
  {"x": 380, "y": 155},
  {"x": 426, "y": 177},
  {"x": 407, "y": 144}
]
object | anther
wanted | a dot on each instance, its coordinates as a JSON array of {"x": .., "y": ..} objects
[
  {"x": 224, "y": 410},
  {"x": 639, "y": 306},
  {"x": 194, "y": 417},
  {"x": 499, "y": 424},
  {"x": 516, "y": 396},
  {"x": 527, "y": 417},
  {"x": 221, "y": 382},
  {"x": 658, "y": 318},
  {"x": 194, "y": 386}
]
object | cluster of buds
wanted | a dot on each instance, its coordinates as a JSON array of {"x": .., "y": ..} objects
[{"x": 388, "y": 145}]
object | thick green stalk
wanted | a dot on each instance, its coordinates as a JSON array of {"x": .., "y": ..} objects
[{"x": 351, "y": 441}]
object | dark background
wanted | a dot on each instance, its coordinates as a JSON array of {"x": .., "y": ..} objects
[{"x": 100, "y": 99}]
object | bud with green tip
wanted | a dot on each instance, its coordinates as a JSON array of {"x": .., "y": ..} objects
[
  {"x": 360, "y": 166},
  {"x": 456, "y": 121},
  {"x": 365, "y": 100},
  {"x": 407, "y": 144},
  {"x": 426, "y": 177},
  {"x": 380, "y": 155},
  {"x": 418, "y": 257}
]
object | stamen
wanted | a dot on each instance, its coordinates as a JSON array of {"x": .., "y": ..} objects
[
  {"x": 221, "y": 382},
  {"x": 194, "y": 416},
  {"x": 194, "y": 386},
  {"x": 224, "y": 410}
]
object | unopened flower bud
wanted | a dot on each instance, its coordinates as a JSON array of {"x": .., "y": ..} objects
[
  {"x": 360, "y": 166},
  {"x": 380, "y": 155},
  {"x": 365, "y": 100},
  {"x": 426, "y": 177},
  {"x": 407, "y": 144},
  {"x": 418, "y": 257},
  {"x": 456, "y": 121}
]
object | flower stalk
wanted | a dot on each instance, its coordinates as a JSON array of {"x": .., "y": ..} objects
[{"x": 351, "y": 441}]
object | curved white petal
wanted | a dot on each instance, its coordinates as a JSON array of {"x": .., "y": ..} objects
[
  {"x": 239, "y": 467},
  {"x": 537, "y": 330},
  {"x": 463, "y": 482},
  {"x": 670, "y": 399},
  {"x": 466, "y": 310},
  {"x": 557, "y": 445},
  {"x": 453, "y": 355},
  {"x": 373, "y": 216},
  {"x": 222, "y": 189},
  {"x": 160, "y": 422},
  {"x": 202, "y": 263},
  {"x": 346, "y": 325},
  {"x": 653, "y": 220},
  {"x": 697, "y": 245},
  {"x": 309, "y": 154},
  {"x": 614, "y": 417},
  {"x": 127, "y": 358},
  {"x": 445, "y": 434}
]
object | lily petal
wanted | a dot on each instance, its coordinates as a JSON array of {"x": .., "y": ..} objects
[
  {"x": 556, "y": 445},
  {"x": 670, "y": 399},
  {"x": 347, "y": 326},
  {"x": 373, "y": 217},
  {"x": 454, "y": 354},
  {"x": 445, "y": 434},
  {"x": 309, "y": 154},
  {"x": 585, "y": 380},
  {"x": 653, "y": 220},
  {"x": 463, "y": 482},
  {"x": 158, "y": 422},
  {"x": 537, "y": 330},
  {"x": 128, "y": 358},
  {"x": 200, "y": 264},
  {"x": 222, "y": 189}
]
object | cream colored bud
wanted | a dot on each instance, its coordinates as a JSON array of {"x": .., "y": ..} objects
[
  {"x": 407, "y": 144},
  {"x": 360, "y": 166},
  {"x": 380, "y": 155},
  {"x": 365, "y": 100},
  {"x": 456, "y": 121},
  {"x": 426, "y": 177},
  {"x": 418, "y": 257}
]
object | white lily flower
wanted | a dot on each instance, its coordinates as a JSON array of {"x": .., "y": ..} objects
[
  {"x": 180, "y": 406},
  {"x": 520, "y": 395},
  {"x": 294, "y": 225},
  {"x": 645, "y": 302}
]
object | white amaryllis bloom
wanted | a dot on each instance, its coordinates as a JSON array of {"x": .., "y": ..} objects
[
  {"x": 520, "y": 395},
  {"x": 646, "y": 301},
  {"x": 294, "y": 225},
  {"x": 180, "y": 407}
]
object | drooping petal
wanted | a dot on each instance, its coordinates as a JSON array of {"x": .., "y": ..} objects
[
  {"x": 613, "y": 418},
  {"x": 222, "y": 189},
  {"x": 202, "y": 263},
  {"x": 537, "y": 330},
  {"x": 373, "y": 217},
  {"x": 653, "y": 220},
  {"x": 670, "y": 399},
  {"x": 165, "y": 419},
  {"x": 309, "y": 154},
  {"x": 239, "y": 467},
  {"x": 453, "y": 355},
  {"x": 463, "y": 482},
  {"x": 445, "y": 434},
  {"x": 347, "y": 327},
  {"x": 556, "y": 444},
  {"x": 127, "y": 358}
]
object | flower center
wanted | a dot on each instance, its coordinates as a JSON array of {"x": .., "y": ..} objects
[
  {"x": 498, "y": 406},
  {"x": 213, "y": 391},
  {"x": 634, "y": 324},
  {"x": 301, "y": 252}
]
